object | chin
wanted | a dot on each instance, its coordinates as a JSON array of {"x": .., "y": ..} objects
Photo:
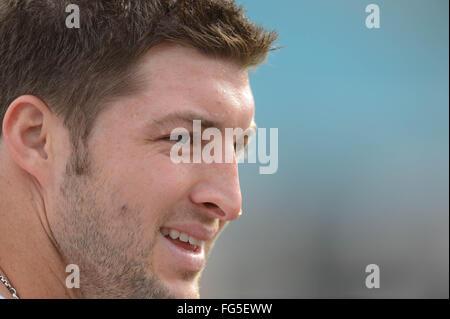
[{"x": 184, "y": 289}]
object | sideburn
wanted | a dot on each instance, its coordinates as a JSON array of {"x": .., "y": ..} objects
[{"x": 79, "y": 163}]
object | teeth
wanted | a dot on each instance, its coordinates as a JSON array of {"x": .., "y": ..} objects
[
  {"x": 175, "y": 234},
  {"x": 184, "y": 237},
  {"x": 194, "y": 241}
]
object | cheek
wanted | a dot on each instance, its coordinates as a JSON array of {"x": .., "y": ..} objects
[
  {"x": 148, "y": 181},
  {"x": 140, "y": 174}
]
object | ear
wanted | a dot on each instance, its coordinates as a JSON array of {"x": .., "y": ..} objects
[{"x": 26, "y": 134}]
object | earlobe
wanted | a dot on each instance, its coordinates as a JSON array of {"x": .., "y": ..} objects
[{"x": 25, "y": 132}]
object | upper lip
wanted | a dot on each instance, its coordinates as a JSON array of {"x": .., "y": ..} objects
[{"x": 194, "y": 230}]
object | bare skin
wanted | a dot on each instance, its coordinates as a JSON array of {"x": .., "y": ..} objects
[{"x": 109, "y": 220}]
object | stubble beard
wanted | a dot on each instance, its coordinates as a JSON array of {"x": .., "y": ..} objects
[{"x": 113, "y": 262}]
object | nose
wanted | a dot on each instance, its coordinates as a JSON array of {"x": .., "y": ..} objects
[{"x": 218, "y": 191}]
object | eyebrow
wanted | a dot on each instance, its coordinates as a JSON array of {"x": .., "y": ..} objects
[
  {"x": 253, "y": 126},
  {"x": 188, "y": 117},
  {"x": 183, "y": 116}
]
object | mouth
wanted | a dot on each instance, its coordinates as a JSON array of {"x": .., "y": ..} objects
[
  {"x": 183, "y": 240},
  {"x": 183, "y": 249}
]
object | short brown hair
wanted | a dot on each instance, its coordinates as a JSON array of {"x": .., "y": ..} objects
[{"x": 74, "y": 71}]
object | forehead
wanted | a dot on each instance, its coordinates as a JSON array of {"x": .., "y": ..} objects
[{"x": 178, "y": 78}]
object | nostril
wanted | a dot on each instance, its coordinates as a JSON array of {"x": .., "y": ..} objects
[{"x": 215, "y": 208}]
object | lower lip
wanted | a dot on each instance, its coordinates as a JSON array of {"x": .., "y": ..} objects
[{"x": 188, "y": 260}]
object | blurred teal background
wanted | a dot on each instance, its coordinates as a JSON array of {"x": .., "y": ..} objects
[{"x": 363, "y": 157}]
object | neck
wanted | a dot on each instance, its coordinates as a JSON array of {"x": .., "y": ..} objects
[{"x": 28, "y": 256}]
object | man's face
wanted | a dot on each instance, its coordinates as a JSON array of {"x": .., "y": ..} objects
[{"x": 113, "y": 222}]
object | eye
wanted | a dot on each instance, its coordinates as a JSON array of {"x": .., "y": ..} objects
[
  {"x": 243, "y": 147},
  {"x": 242, "y": 150},
  {"x": 247, "y": 139},
  {"x": 178, "y": 138}
]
